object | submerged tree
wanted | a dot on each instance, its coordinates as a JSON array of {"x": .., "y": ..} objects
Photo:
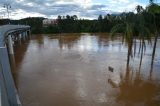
[
  {"x": 142, "y": 32},
  {"x": 133, "y": 28},
  {"x": 126, "y": 27},
  {"x": 154, "y": 9}
]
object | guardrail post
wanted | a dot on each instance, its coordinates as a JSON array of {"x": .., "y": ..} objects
[
  {"x": 24, "y": 36},
  {"x": 29, "y": 33},
  {"x": 19, "y": 38},
  {"x": 10, "y": 44}
]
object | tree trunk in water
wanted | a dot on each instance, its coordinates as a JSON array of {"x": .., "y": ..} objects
[
  {"x": 153, "y": 53},
  {"x": 141, "y": 54},
  {"x": 140, "y": 47},
  {"x": 128, "y": 58},
  {"x": 129, "y": 52}
]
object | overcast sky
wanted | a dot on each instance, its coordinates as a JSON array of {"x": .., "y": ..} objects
[{"x": 52, "y": 8}]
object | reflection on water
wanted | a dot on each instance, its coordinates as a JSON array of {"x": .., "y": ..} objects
[{"x": 72, "y": 70}]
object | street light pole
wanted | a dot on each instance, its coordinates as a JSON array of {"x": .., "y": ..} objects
[{"x": 7, "y": 6}]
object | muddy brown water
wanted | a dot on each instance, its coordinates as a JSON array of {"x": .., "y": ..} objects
[{"x": 73, "y": 70}]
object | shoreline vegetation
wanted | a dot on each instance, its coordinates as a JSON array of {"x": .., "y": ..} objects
[{"x": 69, "y": 24}]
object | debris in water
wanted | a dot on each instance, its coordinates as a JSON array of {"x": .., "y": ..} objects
[
  {"x": 112, "y": 83},
  {"x": 111, "y": 69}
]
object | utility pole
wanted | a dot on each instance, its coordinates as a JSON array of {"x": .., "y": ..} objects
[{"x": 7, "y": 6}]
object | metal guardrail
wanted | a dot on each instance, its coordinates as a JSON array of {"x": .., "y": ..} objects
[
  {"x": 5, "y": 29},
  {"x": 3, "y": 93},
  {"x": 8, "y": 92},
  {"x": 6, "y": 81},
  {"x": 0, "y": 97}
]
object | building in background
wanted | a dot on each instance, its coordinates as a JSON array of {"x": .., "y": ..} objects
[{"x": 48, "y": 22}]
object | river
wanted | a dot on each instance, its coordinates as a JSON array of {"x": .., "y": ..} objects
[{"x": 73, "y": 70}]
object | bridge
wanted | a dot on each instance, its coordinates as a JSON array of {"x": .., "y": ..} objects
[{"x": 9, "y": 34}]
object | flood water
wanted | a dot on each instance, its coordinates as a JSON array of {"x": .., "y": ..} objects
[{"x": 73, "y": 70}]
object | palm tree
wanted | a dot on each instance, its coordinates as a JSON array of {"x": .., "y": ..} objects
[
  {"x": 154, "y": 9},
  {"x": 126, "y": 27},
  {"x": 151, "y": 1},
  {"x": 143, "y": 32},
  {"x": 139, "y": 9},
  {"x": 133, "y": 27}
]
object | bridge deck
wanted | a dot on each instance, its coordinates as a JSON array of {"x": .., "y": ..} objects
[{"x": 5, "y": 29}]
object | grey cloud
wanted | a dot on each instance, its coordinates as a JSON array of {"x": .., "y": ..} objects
[
  {"x": 39, "y": 2},
  {"x": 54, "y": 9},
  {"x": 96, "y": 7},
  {"x": 93, "y": 13}
]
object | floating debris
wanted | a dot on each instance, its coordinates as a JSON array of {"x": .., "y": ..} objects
[
  {"x": 112, "y": 83},
  {"x": 111, "y": 69}
]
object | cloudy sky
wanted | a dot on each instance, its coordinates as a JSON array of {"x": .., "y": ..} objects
[{"x": 52, "y": 8}]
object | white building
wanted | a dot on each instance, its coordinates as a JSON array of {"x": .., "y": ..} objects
[{"x": 47, "y": 22}]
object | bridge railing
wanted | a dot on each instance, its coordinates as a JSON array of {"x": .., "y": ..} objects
[
  {"x": 8, "y": 92},
  {"x": 6, "y": 29},
  {"x": 0, "y": 96}
]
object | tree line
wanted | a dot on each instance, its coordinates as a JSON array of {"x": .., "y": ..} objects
[{"x": 69, "y": 24}]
